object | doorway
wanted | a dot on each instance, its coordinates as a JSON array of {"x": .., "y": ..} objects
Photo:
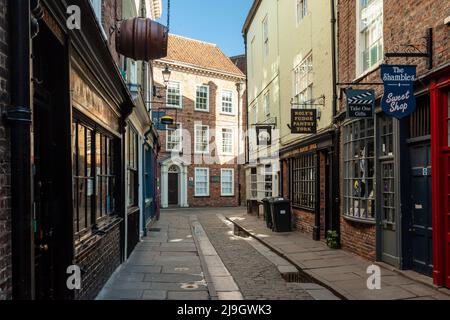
[
  {"x": 173, "y": 185},
  {"x": 52, "y": 199}
]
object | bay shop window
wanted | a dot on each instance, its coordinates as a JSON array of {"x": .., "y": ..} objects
[
  {"x": 94, "y": 178},
  {"x": 359, "y": 169}
]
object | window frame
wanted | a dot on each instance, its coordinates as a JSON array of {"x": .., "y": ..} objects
[
  {"x": 222, "y": 193},
  {"x": 303, "y": 81},
  {"x": 169, "y": 105},
  {"x": 180, "y": 130},
  {"x": 303, "y": 181},
  {"x": 360, "y": 35},
  {"x": 265, "y": 40},
  {"x": 222, "y": 96},
  {"x": 231, "y": 144},
  {"x": 207, "y": 194},
  {"x": 207, "y": 139},
  {"x": 197, "y": 97},
  {"x": 303, "y": 4}
]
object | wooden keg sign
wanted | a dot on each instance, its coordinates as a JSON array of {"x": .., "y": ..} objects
[{"x": 142, "y": 39}]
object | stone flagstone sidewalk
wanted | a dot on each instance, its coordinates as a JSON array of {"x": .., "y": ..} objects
[{"x": 340, "y": 271}]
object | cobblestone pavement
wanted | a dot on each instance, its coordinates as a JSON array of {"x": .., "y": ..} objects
[
  {"x": 257, "y": 277},
  {"x": 177, "y": 261}
]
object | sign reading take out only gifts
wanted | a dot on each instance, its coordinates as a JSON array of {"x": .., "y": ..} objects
[
  {"x": 398, "y": 100},
  {"x": 304, "y": 121}
]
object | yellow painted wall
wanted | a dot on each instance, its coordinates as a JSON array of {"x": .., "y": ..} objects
[{"x": 290, "y": 43}]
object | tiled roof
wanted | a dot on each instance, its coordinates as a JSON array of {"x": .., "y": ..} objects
[{"x": 200, "y": 54}]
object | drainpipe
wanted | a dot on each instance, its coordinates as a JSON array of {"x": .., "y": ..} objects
[
  {"x": 336, "y": 136},
  {"x": 238, "y": 88},
  {"x": 18, "y": 117}
]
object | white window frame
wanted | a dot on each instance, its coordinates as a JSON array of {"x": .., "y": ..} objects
[
  {"x": 222, "y": 102},
  {"x": 301, "y": 10},
  {"x": 197, "y": 151},
  {"x": 267, "y": 103},
  {"x": 303, "y": 80},
  {"x": 180, "y": 130},
  {"x": 181, "y": 95},
  {"x": 230, "y": 130},
  {"x": 265, "y": 40},
  {"x": 222, "y": 193},
  {"x": 97, "y": 5},
  {"x": 207, "y": 98},
  {"x": 197, "y": 194},
  {"x": 360, "y": 34}
]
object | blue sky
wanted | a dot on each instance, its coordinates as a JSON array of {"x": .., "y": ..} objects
[{"x": 215, "y": 21}]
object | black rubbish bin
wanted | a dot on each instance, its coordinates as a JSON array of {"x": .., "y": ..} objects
[
  {"x": 281, "y": 215},
  {"x": 267, "y": 203}
]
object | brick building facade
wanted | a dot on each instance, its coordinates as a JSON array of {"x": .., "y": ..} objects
[
  {"x": 203, "y": 98},
  {"x": 386, "y": 205},
  {"x": 5, "y": 203}
]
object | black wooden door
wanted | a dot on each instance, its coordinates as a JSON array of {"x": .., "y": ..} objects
[
  {"x": 173, "y": 188},
  {"x": 421, "y": 227},
  {"x": 43, "y": 193}
]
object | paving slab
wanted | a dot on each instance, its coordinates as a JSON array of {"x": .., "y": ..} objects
[
  {"x": 154, "y": 295},
  {"x": 341, "y": 271}
]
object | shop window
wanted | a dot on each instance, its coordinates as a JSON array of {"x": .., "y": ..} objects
[
  {"x": 105, "y": 176},
  {"x": 94, "y": 179},
  {"x": 370, "y": 33},
  {"x": 201, "y": 139},
  {"x": 388, "y": 191},
  {"x": 202, "y": 98},
  {"x": 227, "y": 182},
  {"x": 268, "y": 181},
  {"x": 386, "y": 136},
  {"x": 173, "y": 138},
  {"x": 227, "y": 102},
  {"x": 359, "y": 170},
  {"x": 201, "y": 182},
  {"x": 303, "y": 182},
  {"x": 174, "y": 95},
  {"x": 303, "y": 80},
  {"x": 132, "y": 167}
]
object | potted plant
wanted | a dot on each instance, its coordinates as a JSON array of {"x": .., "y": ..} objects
[{"x": 332, "y": 239}]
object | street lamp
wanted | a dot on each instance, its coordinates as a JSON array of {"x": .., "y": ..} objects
[{"x": 166, "y": 75}]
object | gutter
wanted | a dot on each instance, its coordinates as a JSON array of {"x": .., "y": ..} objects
[{"x": 19, "y": 118}]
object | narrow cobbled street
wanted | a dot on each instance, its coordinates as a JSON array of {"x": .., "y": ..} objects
[{"x": 192, "y": 254}]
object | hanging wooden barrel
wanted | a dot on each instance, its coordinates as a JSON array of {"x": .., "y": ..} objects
[{"x": 142, "y": 39}]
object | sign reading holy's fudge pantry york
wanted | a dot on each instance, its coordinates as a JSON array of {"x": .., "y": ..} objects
[{"x": 398, "y": 100}]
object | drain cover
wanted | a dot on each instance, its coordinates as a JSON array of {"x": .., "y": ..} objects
[{"x": 154, "y": 229}]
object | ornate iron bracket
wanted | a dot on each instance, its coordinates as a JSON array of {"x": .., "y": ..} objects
[
  {"x": 320, "y": 101},
  {"x": 411, "y": 51}
]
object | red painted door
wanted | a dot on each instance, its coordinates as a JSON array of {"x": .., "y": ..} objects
[{"x": 440, "y": 139}]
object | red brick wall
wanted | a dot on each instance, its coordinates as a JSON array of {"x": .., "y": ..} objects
[
  {"x": 188, "y": 117},
  {"x": 5, "y": 180},
  {"x": 404, "y": 23},
  {"x": 112, "y": 13}
]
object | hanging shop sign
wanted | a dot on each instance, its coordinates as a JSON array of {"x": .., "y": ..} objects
[
  {"x": 360, "y": 103},
  {"x": 398, "y": 100},
  {"x": 156, "y": 118},
  {"x": 264, "y": 135},
  {"x": 303, "y": 121}
]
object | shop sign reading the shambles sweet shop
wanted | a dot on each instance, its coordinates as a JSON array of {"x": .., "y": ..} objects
[{"x": 398, "y": 100}]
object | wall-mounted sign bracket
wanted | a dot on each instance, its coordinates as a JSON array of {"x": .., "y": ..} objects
[
  {"x": 272, "y": 121},
  {"x": 412, "y": 51}
]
